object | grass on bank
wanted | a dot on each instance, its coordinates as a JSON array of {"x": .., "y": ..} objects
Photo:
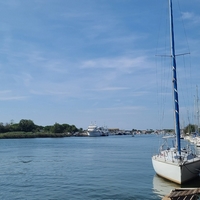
[{"x": 20, "y": 134}]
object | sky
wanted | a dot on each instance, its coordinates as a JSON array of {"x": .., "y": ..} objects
[{"x": 94, "y": 61}]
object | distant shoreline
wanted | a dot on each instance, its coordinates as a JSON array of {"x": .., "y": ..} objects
[{"x": 22, "y": 135}]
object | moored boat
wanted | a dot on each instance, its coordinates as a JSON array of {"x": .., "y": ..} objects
[
  {"x": 175, "y": 164},
  {"x": 95, "y": 131}
]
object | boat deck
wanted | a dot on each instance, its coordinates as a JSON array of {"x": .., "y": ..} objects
[{"x": 183, "y": 194}]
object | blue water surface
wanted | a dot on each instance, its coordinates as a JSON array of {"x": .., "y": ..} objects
[{"x": 110, "y": 168}]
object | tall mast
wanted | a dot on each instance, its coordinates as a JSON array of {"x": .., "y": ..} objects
[
  {"x": 174, "y": 80},
  {"x": 197, "y": 110}
]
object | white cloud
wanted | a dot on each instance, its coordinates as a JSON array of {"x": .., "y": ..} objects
[
  {"x": 191, "y": 16},
  {"x": 8, "y": 95},
  {"x": 111, "y": 88},
  {"x": 118, "y": 63}
]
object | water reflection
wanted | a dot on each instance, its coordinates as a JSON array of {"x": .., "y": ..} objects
[{"x": 163, "y": 187}]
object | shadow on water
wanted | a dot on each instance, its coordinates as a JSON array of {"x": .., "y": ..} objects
[{"x": 162, "y": 187}]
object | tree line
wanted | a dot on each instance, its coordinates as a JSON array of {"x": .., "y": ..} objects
[
  {"x": 27, "y": 125},
  {"x": 191, "y": 128}
]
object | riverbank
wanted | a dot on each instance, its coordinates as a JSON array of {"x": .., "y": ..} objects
[
  {"x": 18, "y": 135},
  {"x": 22, "y": 134}
]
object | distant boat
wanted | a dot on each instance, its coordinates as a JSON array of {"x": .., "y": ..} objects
[
  {"x": 95, "y": 131},
  {"x": 175, "y": 164}
]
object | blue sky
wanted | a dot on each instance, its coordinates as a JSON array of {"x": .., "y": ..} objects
[{"x": 86, "y": 61}]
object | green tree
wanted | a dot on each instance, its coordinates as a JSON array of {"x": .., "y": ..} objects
[
  {"x": 66, "y": 127},
  {"x": 189, "y": 128},
  {"x": 57, "y": 128},
  {"x": 73, "y": 129},
  {"x": 47, "y": 129},
  {"x": 26, "y": 125},
  {"x": 14, "y": 127},
  {"x": 2, "y": 128}
]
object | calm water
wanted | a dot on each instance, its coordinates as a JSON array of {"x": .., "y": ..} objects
[{"x": 114, "y": 167}]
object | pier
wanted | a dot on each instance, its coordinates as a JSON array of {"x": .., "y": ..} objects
[{"x": 183, "y": 194}]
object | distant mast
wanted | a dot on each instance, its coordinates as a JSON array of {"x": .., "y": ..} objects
[
  {"x": 174, "y": 81},
  {"x": 197, "y": 110}
]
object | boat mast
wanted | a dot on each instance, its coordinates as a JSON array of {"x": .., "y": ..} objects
[
  {"x": 197, "y": 110},
  {"x": 174, "y": 80}
]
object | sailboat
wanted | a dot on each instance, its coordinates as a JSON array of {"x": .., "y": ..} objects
[{"x": 174, "y": 163}]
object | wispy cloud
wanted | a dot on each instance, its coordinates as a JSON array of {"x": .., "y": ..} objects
[
  {"x": 112, "y": 88},
  {"x": 118, "y": 63},
  {"x": 127, "y": 108},
  {"x": 191, "y": 16},
  {"x": 8, "y": 95}
]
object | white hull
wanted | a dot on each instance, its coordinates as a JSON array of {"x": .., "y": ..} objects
[
  {"x": 94, "y": 133},
  {"x": 176, "y": 172}
]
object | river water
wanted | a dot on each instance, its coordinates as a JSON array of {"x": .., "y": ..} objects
[{"x": 111, "y": 168}]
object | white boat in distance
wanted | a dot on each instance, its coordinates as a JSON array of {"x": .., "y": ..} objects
[
  {"x": 95, "y": 131},
  {"x": 175, "y": 164}
]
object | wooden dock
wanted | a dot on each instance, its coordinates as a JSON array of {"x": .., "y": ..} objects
[{"x": 183, "y": 194}]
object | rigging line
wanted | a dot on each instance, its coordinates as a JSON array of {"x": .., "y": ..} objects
[
  {"x": 158, "y": 72},
  {"x": 172, "y": 96},
  {"x": 185, "y": 34},
  {"x": 181, "y": 54},
  {"x": 188, "y": 122},
  {"x": 165, "y": 79},
  {"x": 188, "y": 49},
  {"x": 183, "y": 26},
  {"x": 189, "y": 73},
  {"x": 186, "y": 96},
  {"x": 186, "y": 80},
  {"x": 166, "y": 68}
]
